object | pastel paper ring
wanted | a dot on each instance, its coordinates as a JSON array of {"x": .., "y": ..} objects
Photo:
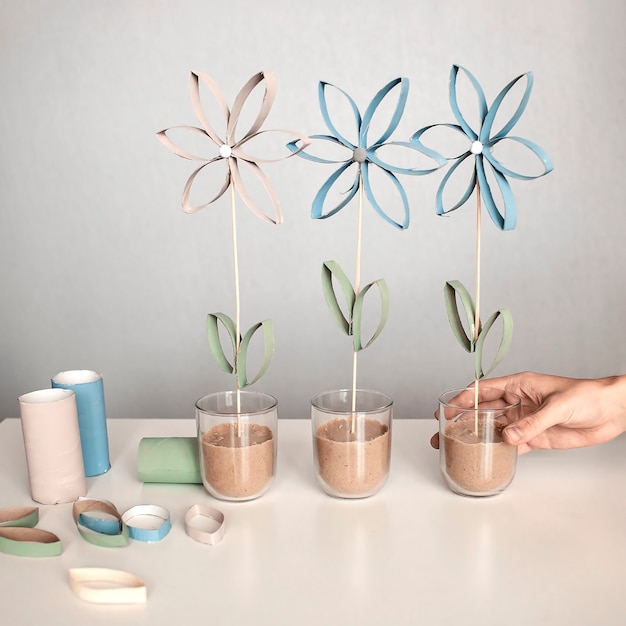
[
  {"x": 107, "y": 586},
  {"x": 205, "y": 524},
  {"x": 33, "y": 542},
  {"x": 147, "y": 522}
]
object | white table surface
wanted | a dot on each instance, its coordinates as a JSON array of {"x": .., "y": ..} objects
[{"x": 549, "y": 550}]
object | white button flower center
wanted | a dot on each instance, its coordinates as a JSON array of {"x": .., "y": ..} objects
[
  {"x": 476, "y": 147},
  {"x": 359, "y": 155},
  {"x": 225, "y": 151}
]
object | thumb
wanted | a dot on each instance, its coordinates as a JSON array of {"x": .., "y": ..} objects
[{"x": 528, "y": 427}]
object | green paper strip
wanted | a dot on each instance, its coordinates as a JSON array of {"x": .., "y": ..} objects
[
  {"x": 169, "y": 460},
  {"x": 91, "y": 506},
  {"x": 505, "y": 342},
  {"x": 452, "y": 289},
  {"x": 350, "y": 322},
  {"x": 330, "y": 270},
  {"x": 31, "y": 542},
  {"x": 215, "y": 344},
  {"x": 242, "y": 356},
  {"x": 24, "y": 516},
  {"x": 357, "y": 313}
]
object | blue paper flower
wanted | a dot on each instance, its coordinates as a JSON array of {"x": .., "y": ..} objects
[
  {"x": 481, "y": 143},
  {"x": 363, "y": 152}
]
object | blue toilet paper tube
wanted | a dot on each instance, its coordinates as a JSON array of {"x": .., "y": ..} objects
[{"x": 89, "y": 390}]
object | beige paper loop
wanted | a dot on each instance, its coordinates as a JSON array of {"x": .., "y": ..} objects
[
  {"x": 107, "y": 586},
  {"x": 196, "y": 527},
  {"x": 52, "y": 443}
]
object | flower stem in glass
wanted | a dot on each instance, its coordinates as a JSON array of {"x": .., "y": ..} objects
[
  {"x": 477, "y": 311},
  {"x": 357, "y": 288},
  {"x": 237, "y": 304}
]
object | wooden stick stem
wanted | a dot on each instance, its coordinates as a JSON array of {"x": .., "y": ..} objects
[
  {"x": 477, "y": 311},
  {"x": 357, "y": 288},
  {"x": 237, "y": 304}
]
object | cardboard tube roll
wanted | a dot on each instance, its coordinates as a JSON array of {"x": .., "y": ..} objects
[
  {"x": 52, "y": 444},
  {"x": 89, "y": 390},
  {"x": 169, "y": 460}
]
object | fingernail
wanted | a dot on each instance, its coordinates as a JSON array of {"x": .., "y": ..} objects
[{"x": 513, "y": 434}]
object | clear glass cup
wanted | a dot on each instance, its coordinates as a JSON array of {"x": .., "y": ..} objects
[
  {"x": 237, "y": 444},
  {"x": 351, "y": 448},
  {"x": 474, "y": 459}
]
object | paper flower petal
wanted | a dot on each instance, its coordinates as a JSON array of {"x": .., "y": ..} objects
[
  {"x": 441, "y": 210},
  {"x": 316, "y": 141},
  {"x": 505, "y": 218},
  {"x": 378, "y": 208},
  {"x": 485, "y": 132},
  {"x": 165, "y": 139},
  {"x": 416, "y": 139},
  {"x": 269, "y": 80},
  {"x": 317, "y": 210},
  {"x": 412, "y": 149},
  {"x": 187, "y": 207},
  {"x": 321, "y": 91},
  {"x": 395, "y": 116},
  {"x": 241, "y": 190},
  {"x": 454, "y": 104},
  {"x": 241, "y": 149},
  {"x": 529, "y": 146},
  {"x": 194, "y": 86}
]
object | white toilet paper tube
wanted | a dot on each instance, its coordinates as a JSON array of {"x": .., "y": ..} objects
[{"x": 52, "y": 444}]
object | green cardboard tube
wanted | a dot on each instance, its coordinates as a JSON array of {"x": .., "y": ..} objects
[{"x": 168, "y": 460}]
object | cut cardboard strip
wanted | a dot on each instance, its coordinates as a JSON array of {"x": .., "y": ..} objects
[
  {"x": 205, "y": 524},
  {"x": 31, "y": 542},
  {"x": 147, "y": 522},
  {"x": 24, "y": 516},
  {"x": 107, "y": 586},
  {"x": 100, "y": 523}
]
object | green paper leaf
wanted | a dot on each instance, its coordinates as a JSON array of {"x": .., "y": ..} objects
[
  {"x": 357, "y": 313},
  {"x": 215, "y": 344},
  {"x": 453, "y": 289},
  {"x": 505, "y": 342},
  {"x": 242, "y": 356},
  {"x": 330, "y": 270}
]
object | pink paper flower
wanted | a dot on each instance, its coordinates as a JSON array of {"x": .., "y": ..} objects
[{"x": 231, "y": 150}]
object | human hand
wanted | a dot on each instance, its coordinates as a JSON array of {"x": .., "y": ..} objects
[{"x": 559, "y": 412}]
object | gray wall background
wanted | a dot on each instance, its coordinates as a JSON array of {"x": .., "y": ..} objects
[{"x": 100, "y": 269}]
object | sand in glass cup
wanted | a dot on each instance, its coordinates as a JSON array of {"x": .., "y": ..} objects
[
  {"x": 351, "y": 449},
  {"x": 237, "y": 448},
  {"x": 474, "y": 459}
]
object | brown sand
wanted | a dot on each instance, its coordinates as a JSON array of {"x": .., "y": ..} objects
[
  {"x": 238, "y": 467},
  {"x": 473, "y": 465},
  {"x": 348, "y": 467}
]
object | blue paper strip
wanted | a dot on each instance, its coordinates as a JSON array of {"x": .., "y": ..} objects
[{"x": 157, "y": 516}]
